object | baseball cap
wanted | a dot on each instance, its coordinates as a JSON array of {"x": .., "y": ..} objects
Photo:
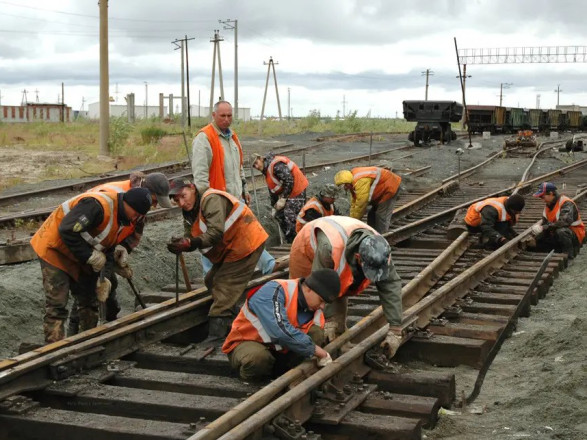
[
  {"x": 375, "y": 254},
  {"x": 138, "y": 199},
  {"x": 158, "y": 184},
  {"x": 177, "y": 184},
  {"x": 329, "y": 190},
  {"x": 543, "y": 188},
  {"x": 325, "y": 282}
]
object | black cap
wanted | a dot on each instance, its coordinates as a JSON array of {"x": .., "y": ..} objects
[
  {"x": 515, "y": 203},
  {"x": 138, "y": 199},
  {"x": 158, "y": 184},
  {"x": 177, "y": 184},
  {"x": 325, "y": 282},
  {"x": 375, "y": 255}
]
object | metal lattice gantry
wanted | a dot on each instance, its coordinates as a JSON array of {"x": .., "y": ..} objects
[{"x": 518, "y": 55}]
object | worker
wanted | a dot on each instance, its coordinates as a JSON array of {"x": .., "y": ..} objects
[
  {"x": 228, "y": 234},
  {"x": 321, "y": 205},
  {"x": 217, "y": 163},
  {"x": 73, "y": 245},
  {"x": 280, "y": 325},
  {"x": 562, "y": 228},
  {"x": 287, "y": 190},
  {"x": 494, "y": 218},
  {"x": 361, "y": 256},
  {"x": 373, "y": 186},
  {"x": 128, "y": 238}
]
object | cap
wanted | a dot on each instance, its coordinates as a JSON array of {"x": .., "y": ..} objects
[
  {"x": 158, "y": 184},
  {"x": 342, "y": 177},
  {"x": 375, "y": 254},
  {"x": 543, "y": 188},
  {"x": 515, "y": 203},
  {"x": 255, "y": 156},
  {"x": 177, "y": 184},
  {"x": 325, "y": 282},
  {"x": 329, "y": 190},
  {"x": 138, "y": 199}
]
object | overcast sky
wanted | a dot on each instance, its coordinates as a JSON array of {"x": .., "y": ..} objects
[{"x": 369, "y": 53}]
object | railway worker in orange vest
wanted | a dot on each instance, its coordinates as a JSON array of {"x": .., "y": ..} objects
[
  {"x": 361, "y": 256},
  {"x": 494, "y": 218},
  {"x": 217, "y": 163},
  {"x": 73, "y": 245},
  {"x": 128, "y": 237},
  {"x": 321, "y": 205},
  {"x": 226, "y": 232},
  {"x": 287, "y": 190},
  {"x": 562, "y": 228},
  {"x": 280, "y": 325},
  {"x": 373, "y": 186}
]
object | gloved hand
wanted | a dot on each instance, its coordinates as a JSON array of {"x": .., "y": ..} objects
[
  {"x": 247, "y": 198},
  {"x": 97, "y": 260},
  {"x": 322, "y": 362},
  {"x": 124, "y": 271},
  {"x": 280, "y": 204},
  {"x": 391, "y": 343},
  {"x": 120, "y": 256},
  {"x": 330, "y": 329},
  {"x": 273, "y": 212},
  {"x": 103, "y": 289},
  {"x": 537, "y": 229},
  {"x": 177, "y": 245}
]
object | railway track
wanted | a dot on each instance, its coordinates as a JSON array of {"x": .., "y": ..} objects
[{"x": 121, "y": 381}]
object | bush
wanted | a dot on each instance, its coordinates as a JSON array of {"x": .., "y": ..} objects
[
  {"x": 119, "y": 132},
  {"x": 150, "y": 135}
]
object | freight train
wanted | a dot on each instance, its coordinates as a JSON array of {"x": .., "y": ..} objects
[{"x": 433, "y": 120}]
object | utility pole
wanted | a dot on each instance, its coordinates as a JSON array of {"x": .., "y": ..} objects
[
  {"x": 288, "y": 104},
  {"x": 501, "y": 87},
  {"x": 104, "y": 81},
  {"x": 187, "y": 74},
  {"x": 36, "y": 95},
  {"x": 24, "y": 99},
  {"x": 227, "y": 25},
  {"x": 216, "y": 40},
  {"x": 558, "y": 92},
  {"x": 179, "y": 45},
  {"x": 464, "y": 78},
  {"x": 146, "y": 100},
  {"x": 62, "y": 102},
  {"x": 343, "y": 106},
  {"x": 427, "y": 74},
  {"x": 538, "y": 100},
  {"x": 270, "y": 64}
]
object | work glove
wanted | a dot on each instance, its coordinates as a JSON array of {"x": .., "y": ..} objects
[
  {"x": 120, "y": 256},
  {"x": 322, "y": 362},
  {"x": 280, "y": 204},
  {"x": 247, "y": 198},
  {"x": 103, "y": 289},
  {"x": 177, "y": 245},
  {"x": 537, "y": 230},
  {"x": 97, "y": 260},
  {"x": 124, "y": 271},
  {"x": 273, "y": 212},
  {"x": 330, "y": 329},
  {"x": 391, "y": 343}
]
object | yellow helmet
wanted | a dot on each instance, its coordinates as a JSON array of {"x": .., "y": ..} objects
[{"x": 342, "y": 177}]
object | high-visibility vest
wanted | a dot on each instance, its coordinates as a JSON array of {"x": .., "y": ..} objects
[
  {"x": 473, "y": 216},
  {"x": 275, "y": 185},
  {"x": 313, "y": 203},
  {"x": 216, "y": 171},
  {"x": 552, "y": 215},
  {"x": 248, "y": 327},
  {"x": 385, "y": 183},
  {"x": 337, "y": 229},
  {"x": 49, "y": 246},
  {"x": 119, "y": 187},
  {"x": 243, "y": 234}
]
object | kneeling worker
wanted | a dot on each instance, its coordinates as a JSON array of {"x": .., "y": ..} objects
[
  {"x": 228, "y": 234},
  {"x": 280, "y": 325}
]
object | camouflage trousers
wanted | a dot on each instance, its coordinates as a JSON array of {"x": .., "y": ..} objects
[
  {"x": 57, "y": 285},
  {"x": 288, "y": 215}
]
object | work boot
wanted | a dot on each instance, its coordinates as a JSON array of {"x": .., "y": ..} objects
[
  {"x": 53, "y": 329},
  {"x": 218, "y": 328}
]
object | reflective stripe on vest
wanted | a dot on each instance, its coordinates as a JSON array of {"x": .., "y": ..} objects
[
  {"x": 95, "y": 242},
  {"x": 287, "y": 162},
  {"x": 496, "y": 204},
  {"x": 373, "y": 174},
  {"x": 311, "y": 204},
  {"x": 342, "y": 262},
  {"x": 557, "y": 207}
]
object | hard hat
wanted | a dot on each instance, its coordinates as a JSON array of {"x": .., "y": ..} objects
[{"x": 342, "y": 177}]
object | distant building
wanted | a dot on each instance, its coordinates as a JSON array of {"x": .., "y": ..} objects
[
  {"x": 35, "y": 112},
  {"x": 573, "y": 107},
  {"x": 121, "y": 110}
]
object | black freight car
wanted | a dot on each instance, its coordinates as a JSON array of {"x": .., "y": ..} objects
[
  {"x": 486, "y": 118},
  {"x": 433, "y": 120}
]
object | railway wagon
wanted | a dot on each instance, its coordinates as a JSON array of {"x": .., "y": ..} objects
[
  {"x": 536, "y": 119},
  {"x": 553, "y": 119},
  {"x": 433, "y": 120},
  {"x": 516, "y": 120},
  {"x": 573, "y": 120},
  {"x": 490, "y": 118}
]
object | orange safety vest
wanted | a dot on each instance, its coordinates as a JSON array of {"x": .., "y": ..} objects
[
  {"x": 247, "y": 327},
  {"x": 119, "y": 187},
  {"x": 473, "y": 216},
  {"x": 49, "y": 246},
  {"x": 338, "y": 229},
  {"x": 216, "y": 172},
  {"x": 243, "y": 234},
  {"x": 552, "y": 215},
  {"x": 385, "y": 183},
  {"x": 300, "y": 181},
  {"x": 315, "y": 204}
]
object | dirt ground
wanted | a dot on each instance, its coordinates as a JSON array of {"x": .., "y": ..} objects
[{"x": 537, "y": 385}]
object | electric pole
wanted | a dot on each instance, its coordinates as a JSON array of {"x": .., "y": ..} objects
[
  {"x": 179, "y": 45},
  {"x": 187, "y": 74},
  {"x": 343, "y": 106},
  {"x": 216, "y": 40},
  {"x": 288, "y": 103},
  {"x": 104, "y": 81},
  {"x": 464, "y": 81},
  {"x": 501, "y": 87},
  {"x": 270, "y": 64},
  {"x": 24, "y": 99},
  {"x": 538, "y": 100},
  {"x": 427, "y": 74},
  {"x": 146, "y": 100},
  {"x": 558, "y": 92},
  {"x": 227, "y": 25}
]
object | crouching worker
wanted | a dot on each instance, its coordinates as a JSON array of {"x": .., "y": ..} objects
[{"x": 280, "y": 325}]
